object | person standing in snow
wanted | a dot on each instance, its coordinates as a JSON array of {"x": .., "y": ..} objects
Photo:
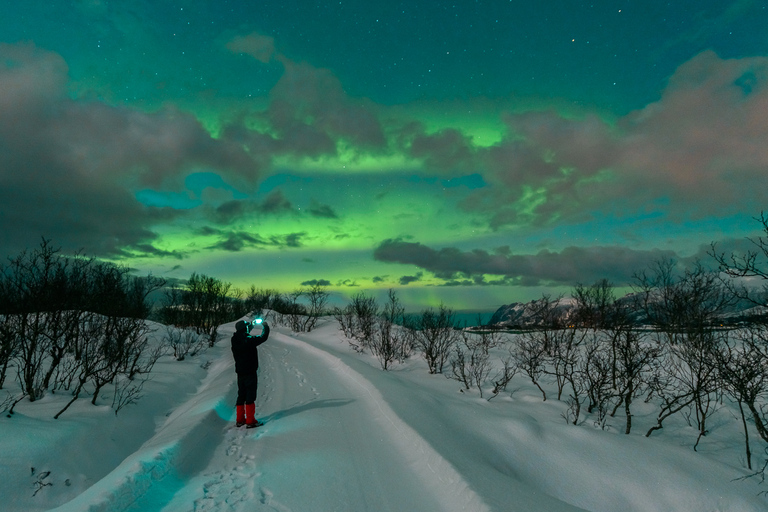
[{"x": 244, "y": 349}]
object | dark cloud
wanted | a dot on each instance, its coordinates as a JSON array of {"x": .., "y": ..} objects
[
  {"x": 308, "y": 114},
  {"x": 275, "y": 202},
  {"x": 235, "y": 241},
  {"x": 446, "y": 151},
  {"x": 230, "y": 211},
  {"x": 292, "y": 240},
  {"x": 207, "y": 231},
  {"x": 570, "y": 266},
  {"x": 66, "y": 166},
  {"x": 309, "y": 109},
  {"x": 406, "y": 280},
  {"x": 316, "y": 282},
  {"x": 701, "y": 145},
  {"x": 150, "y": 250},
  {"x": 311, "y": 102},
  {"x": 323, "y": 211},
  {"x": 349, "y": 283}
]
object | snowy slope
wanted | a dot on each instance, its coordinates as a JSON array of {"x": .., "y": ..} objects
[{"x": 343, "y": 435}]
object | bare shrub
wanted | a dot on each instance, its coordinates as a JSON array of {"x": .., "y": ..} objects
[
  {"x": 683, "y": 306},
  {"x": 359, "y": 321},
  {"x": 126, "y": 392},
  {"x": 365, "y": 310},
  {"x": 530, "y": 355},
  {"x": 8, "y": 345},
  {"x": 183, "y": 342},
  {"x": 346, "y": 319},
  {"x": 301, "y": 309},
  {"x": 597, "y": 370},
  {"x": 390, "y": 342},
  {"x": 203, "y": 303},
  {"x": 742, "y": 366},
  {"x": 471, "y": 361},
  {"x": 435, "y": 334}
]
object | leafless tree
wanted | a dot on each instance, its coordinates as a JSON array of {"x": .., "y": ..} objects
[
  {"x": 561, "y": 338},
  {"x": 594, "y": 305},
  {"x": 683, "y": 306},
  {"x": 390, "y": 342},
  {"x": 183, "y": 342},
  {"x": 471, "y": 360},
  {"x": 126, "y": 392},
  {"x": 204, "y": 303},
  {"x": 259, "y": 299},
  {"x": 317, "y": 298},
  {"x": 30, "y": 281},
  {"x": 596, "y": 369},
  {"x": 504, "y": 375},
  {"x": 366, "y": 311},
  {"x": 635, "y": 361},
  {"x": 744, "y": 363},
  {"x": 750, "y": 264},
  {"x": 88, "y": 356},
  {"x": 359, "y": 321},
  {"x": 530, "y": 355},
  {"x": 346, "y": 318},
  {"x": 743, "y": 366},
  {"x": 436, "y": 335},
  {"x": 295, "y": 312},
  {"x": 8, "y": 345}
]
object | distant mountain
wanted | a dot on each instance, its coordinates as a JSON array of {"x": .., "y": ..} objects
[{"x": 524, "y": 314}]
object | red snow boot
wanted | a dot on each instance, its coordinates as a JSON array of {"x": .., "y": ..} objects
[
  {"x": 250, "y": 420},
  {"x": 240, "y": 416}
]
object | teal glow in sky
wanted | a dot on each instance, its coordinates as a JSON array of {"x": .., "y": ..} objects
[{"x": 475, "y": 152}]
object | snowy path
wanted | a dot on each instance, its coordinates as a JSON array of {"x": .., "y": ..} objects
[{"x": 330, "y": 443}]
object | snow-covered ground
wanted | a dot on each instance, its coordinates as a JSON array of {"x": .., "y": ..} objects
[{"x": 343, "y": 435}]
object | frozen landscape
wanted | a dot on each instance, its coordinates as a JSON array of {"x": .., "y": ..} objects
[{"x": 340, "y": 434}]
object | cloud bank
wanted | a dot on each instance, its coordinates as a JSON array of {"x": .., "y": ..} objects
[
  {"x": 697, "y": 151},
  {"x": 571, "y": 266},
  {"x": 67, "y": 167}
]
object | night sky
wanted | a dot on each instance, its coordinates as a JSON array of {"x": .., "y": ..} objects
[{"x": 474, "y": 152}]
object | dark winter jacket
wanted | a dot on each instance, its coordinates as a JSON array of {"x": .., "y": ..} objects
[{"x": 244, "y": 349}]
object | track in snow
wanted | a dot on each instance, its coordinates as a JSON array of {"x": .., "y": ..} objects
[{"x": 330, "y": 442}]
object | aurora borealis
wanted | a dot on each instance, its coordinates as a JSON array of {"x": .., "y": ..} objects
[{"x": 474, "y": 152}]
